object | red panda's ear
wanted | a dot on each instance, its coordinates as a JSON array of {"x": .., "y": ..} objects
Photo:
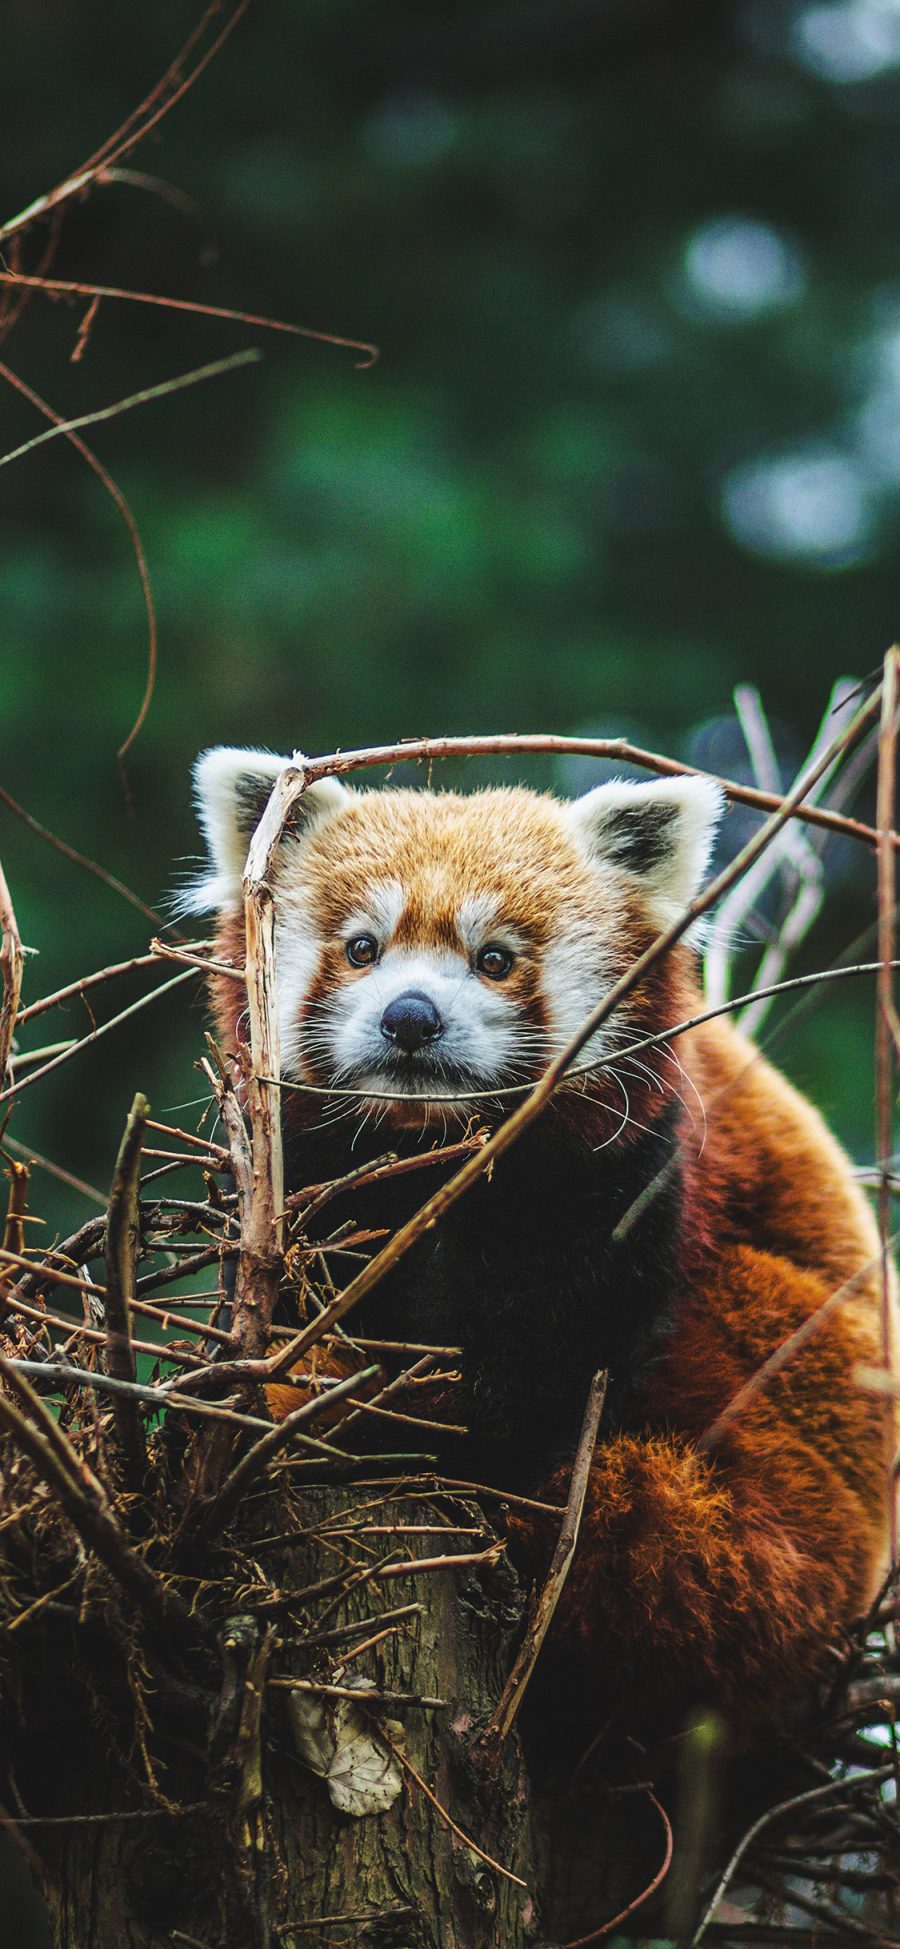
[
  {"x": 660, "y": 834},
  {"x": 231, "y": 791}
]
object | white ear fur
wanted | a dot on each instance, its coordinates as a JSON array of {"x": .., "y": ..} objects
[
  {"x": 659, "y": 834},
  {"x": 231, "y": 790}
]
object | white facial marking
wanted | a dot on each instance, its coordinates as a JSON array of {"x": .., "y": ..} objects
[
  {"x": 575, "y": 974},
  {"x": 298, "y": 951},
  {"x": 379, "y": 914},
  {"x": 481, "y": 1028},
  {"x": 474, "y": 919}
]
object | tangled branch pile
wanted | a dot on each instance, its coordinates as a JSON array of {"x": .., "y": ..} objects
[{"x": 175, "y": 1564}]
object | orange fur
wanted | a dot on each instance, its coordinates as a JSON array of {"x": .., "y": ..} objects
[
  {"x": 699, "y": 1576},
  {"x": 721, "y": 1578}
]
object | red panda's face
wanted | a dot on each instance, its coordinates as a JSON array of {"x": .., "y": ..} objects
[{"x": 430, "y": 945}]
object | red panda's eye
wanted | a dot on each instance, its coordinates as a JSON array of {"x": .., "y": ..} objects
[
  {"x": 362, "y": 951},
  {"x": 495, "y": 962}
]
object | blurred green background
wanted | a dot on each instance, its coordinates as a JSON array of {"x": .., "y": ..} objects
[{"x": 633, "y": 438}]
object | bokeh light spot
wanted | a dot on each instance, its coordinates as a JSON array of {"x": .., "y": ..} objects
[
  {"x": 814, "y": 507},
  {"x": 736, "y": 268},
  {"x": 846, "y": 43}
]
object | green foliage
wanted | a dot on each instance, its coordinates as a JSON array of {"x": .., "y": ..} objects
[{"x": 631, "y": 438}]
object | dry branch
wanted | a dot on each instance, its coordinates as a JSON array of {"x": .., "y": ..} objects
[
  {"x": 12, "y": 961},
  {"x": 257, "y": 1459},
  {"x": 201, "y": 1471},
  {"x": 127, "y": 135},
  {"x": 103, "y": 1028},
  {"x": 118, "y": 498},
  {"x": 73, "y": 988},
  {"x": 71, "y": 852},
  {"x": 142, "y": 398},
  {"x": 228, "y": 313},
  {"x": 887, "y": 1037},
  {"x": 14, "y": 1224},
  {"x": 499, "y": 1726},
  {"x": 83, "y": 1499},
  {"x": 66, "y": 1375},
  {"x": 123, "y": 1240},
  {"x": 295, "y": 779},
  {"x": 423, "y": 750}
]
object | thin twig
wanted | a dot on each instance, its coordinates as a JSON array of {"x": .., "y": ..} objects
[
  {"x": 207, "y": 964},
  {"x": 257, "y": 1458},
  {"x": 103, "y": 1028},
  {"x": 420, "y": 1566},
  {"x": 52, "y": 839},
  {"x": 123, "y": 1240},
  {"x": 12, "y": 963},
  {"x": 466, "y": 1839},
  {"x": 812, "y": 1797},
  {"x": 500, "y": 1723},
  {"x": 32, "y": 1156},
  {"x": 314, "y": 1196},
  {"x": 345, "y": 1633},
  {"x": 77, "y": 988},
  {"x": 123, "y": 506},
  {"x": 423, "y": 750},
  {"x": 887, "y": 1039},
  {"x": 164, "y": 303},
  {"x": 395, "y": 1913},
  {"x": 393, "y": 1387},
  {"x": 142, "y": 398},
  {"x": 294, "y": 779},
  {"x": 160, "y": 1399},
  {"x": 14, "y": 1224},
  {"x": 353, "y": 1692},
  {"x": 83, "y": 1499},
  {"x": 596, "y": 1935},
  {"x": 127, "y": 136},
  {"x": 74, "y": 1329}
]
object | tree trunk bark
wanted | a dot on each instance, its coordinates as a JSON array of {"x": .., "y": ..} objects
[
  {"x": 275, "y": 1862},
  {"x": 253, "y": 1875}
]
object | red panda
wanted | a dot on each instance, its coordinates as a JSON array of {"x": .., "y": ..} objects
[{"x": 673, "y": 1216}]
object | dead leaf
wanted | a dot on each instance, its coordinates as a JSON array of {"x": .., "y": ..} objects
[{"x": 339, "y": 1741}]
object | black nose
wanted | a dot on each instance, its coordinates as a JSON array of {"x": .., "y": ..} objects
[{"x": 411, "y": 1020}]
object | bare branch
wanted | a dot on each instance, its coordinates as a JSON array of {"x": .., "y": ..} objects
[
  {"x": 79, "y": 987},
  {"x": 887, "y": 1037},
  {"x": 499, "y": 1726},
  {"x": 123, "y": 1239},
  {"x": 94, "y": 1035},
  {"x": 422, "y": 750},
  {"x": 14, "y": 1226},
  {"x": 165, "y": 303},
  {"x": 507, "y": 1133},
  {"x": 127, "y": 136},
  {"x": 12, "y": 962},
  {"x": 160, "y": 1399},
  {"x": 61, "y": 845},
  {"x": 142, "y": 398},
  {"x": 83, "y": 1498},
  {"x": 257, "y": 1458}
]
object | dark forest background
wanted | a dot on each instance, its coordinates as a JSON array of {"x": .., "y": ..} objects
[{"x": 634, "y": 435}]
